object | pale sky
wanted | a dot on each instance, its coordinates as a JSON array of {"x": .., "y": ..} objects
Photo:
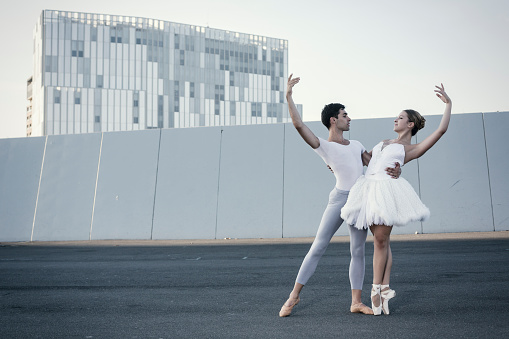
[{"x": 375, "y": 57}]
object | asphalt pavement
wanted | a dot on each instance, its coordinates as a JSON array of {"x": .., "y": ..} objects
[{"x": 446, "y": 288}]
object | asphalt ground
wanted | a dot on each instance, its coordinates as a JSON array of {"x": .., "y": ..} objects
[{"x": 448, "y": 286}]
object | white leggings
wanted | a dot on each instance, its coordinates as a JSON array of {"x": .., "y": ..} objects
[{"x": 331, "y": 220}]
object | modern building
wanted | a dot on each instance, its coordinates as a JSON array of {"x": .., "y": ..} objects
[
  {"x": 97, "y": 72},
  {"x": 29, "y": 107}
]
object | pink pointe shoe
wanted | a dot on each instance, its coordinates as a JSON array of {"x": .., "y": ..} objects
[
  {"x": 386, "y": 296},
  {"x": 286, "y": 310},
  {"x": 375, "y": 296}
]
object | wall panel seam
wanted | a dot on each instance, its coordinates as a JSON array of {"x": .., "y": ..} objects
[
  {"x": 95, "y": 189},
  {"x": 155, "y": 184},
  {"x": 488, "y": 168},
  {"x": 218, "y": 180},
  {"x": 39, "y": 187}
]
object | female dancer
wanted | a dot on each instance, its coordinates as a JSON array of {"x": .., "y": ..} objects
[{"x": 379, "y": 202}]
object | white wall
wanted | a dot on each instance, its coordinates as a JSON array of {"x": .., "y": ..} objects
[
  {"x": 496, "y": 125},
  {"x": 187, "y": 184},
  {"x": 250, "y": 198},
  {"x": 258, "y": 181},
  {"x": 66, "y": 195},
  {"x": 20, "y": 172}
]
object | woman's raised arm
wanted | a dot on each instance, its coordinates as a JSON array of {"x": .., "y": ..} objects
[{"x": 419, "y": 149}]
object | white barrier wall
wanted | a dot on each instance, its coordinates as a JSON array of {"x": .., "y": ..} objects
[
  {"x": 250, "y": 198},
  {"x": 495, "y": 130},
  {"x": 124, "y": 202},
  {"x": 20, "y": 172},
  {"x": 187, "y": 184},
  {"x": 454, "y": 177},
  {"x": 66, "y": 195},
  {"x": 258, "y": 181}
]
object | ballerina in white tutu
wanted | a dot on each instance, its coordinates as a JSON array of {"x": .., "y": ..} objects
[{"x": 380, "y": 202}]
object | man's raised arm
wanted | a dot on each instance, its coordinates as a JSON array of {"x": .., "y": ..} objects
[{"x": 303, "y": 130}]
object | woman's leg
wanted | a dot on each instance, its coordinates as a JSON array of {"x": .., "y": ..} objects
[
  {"x": 381, "y": 240},
  {"x": 386, "y": 293},
  {"x": 388, "y": 266}
]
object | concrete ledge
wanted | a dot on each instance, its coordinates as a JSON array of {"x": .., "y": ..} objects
[{"x": 261, "y": 241}]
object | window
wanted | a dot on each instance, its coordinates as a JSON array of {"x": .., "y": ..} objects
[
  {"x": 232, "y": 108},
  {"x": 182, "y": 58},
  {"x": 135, "y": 120},
  {"x": 176, "y": 96},
  {"x": 256, "y": 109},
  {"x": 77, "y": 48},
  {"x": 136, "y": 99},
  {"x": 272, "y": 110},
  {"x": 77, "y": 98},
  {"x": 81, "y": 48},
  {"x": 177, "y": 41},
  {"x": 216, "y": 107},
  {"x": 56, "y": 98},
  {"x": 93, "y": 33},
  {"x": 191, "y": 90},
  {"x": 160, "y": 110},
  {"x": 74, "y": 48},
  {"x": 97, "y": 118},
  {"x": 138, "y": 36},
  {"x": 47, "y": 63},
  {"x": 232, "y": 78},
  {"x": 99, "y": 81}
]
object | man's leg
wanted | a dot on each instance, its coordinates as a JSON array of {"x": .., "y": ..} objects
[
  {"x": 357, "y": 268},
  {"x": 331, "y": 220}
]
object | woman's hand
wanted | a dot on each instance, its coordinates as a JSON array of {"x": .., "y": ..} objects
[
  {"x": 440, "y": 91},
  {"x": 291, "y": 82}
]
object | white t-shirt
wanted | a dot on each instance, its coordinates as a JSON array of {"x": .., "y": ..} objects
[{"x": 345, "y": 161}]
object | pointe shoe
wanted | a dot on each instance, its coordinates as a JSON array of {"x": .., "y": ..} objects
[
  {"x": 360, "y": 308},
  {"x": 287, "y": 310},
  {"x": 386, "y": 296},
  {"x": 375, "y": 293}
]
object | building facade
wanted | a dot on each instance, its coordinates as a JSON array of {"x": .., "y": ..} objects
[
  {"x": 97, "y": 73},
  {"x": 29, "y": 107}
]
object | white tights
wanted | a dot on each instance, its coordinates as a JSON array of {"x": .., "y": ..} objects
[{"x": 331, "y": 220}]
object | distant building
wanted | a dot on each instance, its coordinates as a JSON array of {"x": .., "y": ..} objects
[
  {"x": 95, "y": 72},
  {"x": 29, "y": 107}
]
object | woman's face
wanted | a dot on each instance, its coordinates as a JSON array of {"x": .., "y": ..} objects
[{"x": 401, "y": 123}]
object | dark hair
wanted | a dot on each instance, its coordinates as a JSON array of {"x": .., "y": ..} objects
[
  {"x": 417, "y": 119},
  {"x": 330, "y": 111}
]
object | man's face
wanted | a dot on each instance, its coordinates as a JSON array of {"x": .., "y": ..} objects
[{"x": 343, "y": 121}]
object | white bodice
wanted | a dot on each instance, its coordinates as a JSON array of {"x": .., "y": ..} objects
[{"x": 383, "y": 158}]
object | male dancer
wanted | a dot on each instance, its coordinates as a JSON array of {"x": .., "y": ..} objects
[{"x": 346, "y": 159}]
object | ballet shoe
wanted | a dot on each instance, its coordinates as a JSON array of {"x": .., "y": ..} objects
[
  {"x": 375, "y": 293},
  {"x": 386, "y": 296},
  {"x": 361, "y": 308},
  {"x": 287, "y": 310}
]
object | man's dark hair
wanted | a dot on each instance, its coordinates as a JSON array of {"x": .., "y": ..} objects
[{"x": 330, "y": 111}]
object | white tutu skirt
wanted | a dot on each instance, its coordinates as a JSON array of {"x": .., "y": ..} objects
[{"x": 391, "y": 202}]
